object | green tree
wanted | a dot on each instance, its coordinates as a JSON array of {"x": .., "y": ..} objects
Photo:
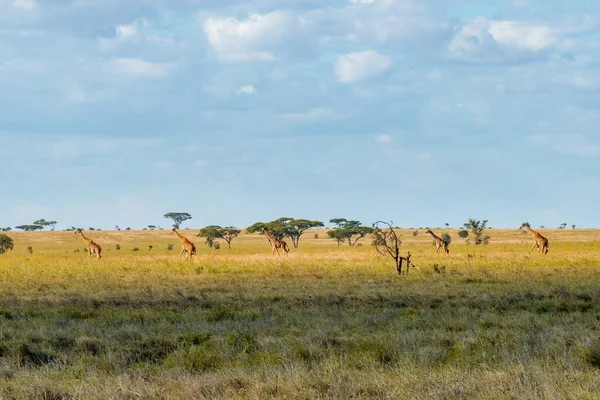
[
  {"x": 42, "y": 222},
  {"x": 229, "y": 233},
  {"x": 285, "y": 226},
  {"x": 463, "y": 234},
  {"x": 30, "y": 228},
  {"x": 350, "y": 231},
  {"x": 178, "y": 218},
  {"x": 7, "y": 229},
  {"x": 446, "y": 238},
  {"x": 477, "y": 228},
  {"x": 211, "y": 233},
  {"x": 6, "y": 243}
]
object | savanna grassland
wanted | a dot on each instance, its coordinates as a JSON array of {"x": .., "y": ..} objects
[{"x": 488, "y": 322}]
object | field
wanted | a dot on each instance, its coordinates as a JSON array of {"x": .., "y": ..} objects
[{"x": 489, "y": 322}]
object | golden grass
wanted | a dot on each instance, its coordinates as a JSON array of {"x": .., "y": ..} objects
[{"x": 489, "y": 322}]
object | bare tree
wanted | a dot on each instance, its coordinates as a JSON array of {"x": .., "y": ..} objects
[{"x": 387, "y": 243}]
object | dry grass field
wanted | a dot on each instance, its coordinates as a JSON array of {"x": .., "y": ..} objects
[{"x": 486, "y": 322}]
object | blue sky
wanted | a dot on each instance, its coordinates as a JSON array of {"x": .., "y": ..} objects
[{"x": 420, "y": 112}]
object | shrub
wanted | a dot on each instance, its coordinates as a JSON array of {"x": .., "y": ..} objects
[
  {"x": 135, "y": 249},
  {"x": 169, "y": 247},
  {"x": 446, "y": 238},
  {"x": 6, "y": 243},
  {"x": 30, "y": 249},
  {"x": 463, "y": 234},
  {"x": 592, "y": 355},
  {"x": 117, "y": 246}
]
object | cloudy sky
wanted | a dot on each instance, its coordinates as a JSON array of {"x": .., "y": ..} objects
[{"x": 417, "y": 111}]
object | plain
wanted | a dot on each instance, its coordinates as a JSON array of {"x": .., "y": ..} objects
[{"x": 489, "y": 321}]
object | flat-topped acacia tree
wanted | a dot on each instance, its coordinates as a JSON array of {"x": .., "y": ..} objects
[
  {"x": 178, "y": 218},
  {"x": 285, "y": 226}
]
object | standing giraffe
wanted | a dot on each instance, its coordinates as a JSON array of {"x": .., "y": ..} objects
[
  {"x": 540, "y": 242},
  {"x": 276, "y": 244},
  {"x": 439, "y": 242},
  {"x": 93, "y": 247},
  {"x": 187, "y": 246}
]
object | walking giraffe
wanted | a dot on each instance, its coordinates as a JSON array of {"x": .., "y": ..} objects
[
  {"x": 540, "y": 242},
  {"x": 439, "y": 242},
  {"x": 93, "y": 247},
  {"x": 276, "y": 244},
  {"x": 187, "y": 246}
]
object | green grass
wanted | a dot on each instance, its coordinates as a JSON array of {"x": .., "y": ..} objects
[{"x": 491, "y": 322}]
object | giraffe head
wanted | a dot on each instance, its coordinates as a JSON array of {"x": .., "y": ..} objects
[
  {"x": 428, "y": 231},
  {"x": 77, "y": 231},
  {"x": 525, "y": 225},
  {"x": 173, "y": 230}
]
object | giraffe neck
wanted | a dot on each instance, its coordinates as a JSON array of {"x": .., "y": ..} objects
[
  {"x": 433, "y": 235},
  {"x": 180, "y": 236},
  {"x": 85, "y": 239}
]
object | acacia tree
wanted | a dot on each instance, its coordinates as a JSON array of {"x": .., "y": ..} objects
[
  {"x": 214, "y": 232},
  {"x": 177, "y": 217},
  {"x": 477, "y": 228},
  {"x": 211, "y": 233},
  {"x": 29, "y": 228},
  {"x": 285, "y": 226},
  {"x": 42, "y": 222},
  {"x": 229, "y": 233},
  {"x": 347, "y": 230},
  {"x": 387, "y": 243},
  {"x": 6, "y": 243}
]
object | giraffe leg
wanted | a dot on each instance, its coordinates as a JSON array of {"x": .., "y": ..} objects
[
  {"x": 181, "y": 253},
  {"x": 533, "y": 247}
]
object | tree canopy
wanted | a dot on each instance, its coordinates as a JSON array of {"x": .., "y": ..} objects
[
  {"x": 42, "y": 222},
  {"x": 350, "y": 231},
  {"x": 214, "y": 232},
  {"x": 30, "y": 228},
  {"x": 6, "y": 243},
  {"x": 178, "y": 218},
  {"x": 285, "y": 226}
]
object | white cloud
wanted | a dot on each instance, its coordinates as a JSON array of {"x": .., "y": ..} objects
[
  {"x": 383, "y": 139},
  {"x": 570, "y": 144},
  {"x": 248, "y": 89},
  {"x": 24, "y": 4},
  {"x": 354, "y": 67},
  {"x": 482, "y": 39},
  {"x": 252, "y": 39},
  {"x": 312, "y": 115},
  {"x": 361, "y": 1},
  {"x": 136, "y": 67}
]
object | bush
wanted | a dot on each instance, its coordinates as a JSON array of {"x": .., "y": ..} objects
[
  {"x": 170, "y": 247},
  {"x": 592, "y": 355},
  {"x": 30, "y": 249},
  {"x": 6, "y": 243},
  {"x": 463, "y": 234},
  {"x": 117, "y": 246},
  {"x": 135, "y": 249},
  {"x": 415, "y": 233},
  {"x": 446, "y": 238}
]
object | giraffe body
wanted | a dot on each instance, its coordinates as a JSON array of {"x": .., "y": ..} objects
[
  {"x": 540, "y": 241},
  {"x": 276, "y": 244},
  {"x": 187, "y": 246},
  {"x": 439, "y": 242},
  {"x": 93, "y": 247}
]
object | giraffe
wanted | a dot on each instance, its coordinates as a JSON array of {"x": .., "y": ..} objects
[
  {"x": 93, "y": 247},
  {"x": 187, "y": 246},
  {"x": 439, "y": 242},
  {"x": 276, "y": 244},
  {"x": 540, "y": 242}
]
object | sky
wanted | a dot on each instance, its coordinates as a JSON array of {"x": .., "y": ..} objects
[{"x": 419, "y": 112}]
